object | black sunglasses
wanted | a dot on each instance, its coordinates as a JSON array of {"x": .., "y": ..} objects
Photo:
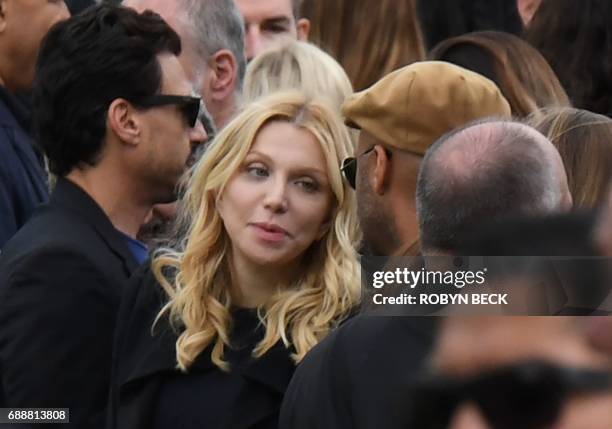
[
  {"x": 349, "y": 166},
  {"x": 188, "y": 105},
  {"x": 528, "y": 395}
]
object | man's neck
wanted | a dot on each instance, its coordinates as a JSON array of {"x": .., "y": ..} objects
[
  {"x": 115, "y": 196},
  {"x": 223, "y": 112},
  {"x": 406, "y": 223}
]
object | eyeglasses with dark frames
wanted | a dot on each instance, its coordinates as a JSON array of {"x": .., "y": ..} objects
[
  {"x": 528, "y": 395},
  {"x": 189, "y": 106},
  {"x": 349, "y": 166}
]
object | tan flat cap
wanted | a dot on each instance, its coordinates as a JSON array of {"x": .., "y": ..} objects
[{"x": 415, "y": 105}]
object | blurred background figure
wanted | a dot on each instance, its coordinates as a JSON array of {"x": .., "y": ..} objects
[
  {"x": 575, "y": 37},
  {"x": 584, "y": 140},
  {"x": 23, "y": 180},
  {"x": 443, "y": 19},
  {"x": 369, "y": 39},
  {"x": 267, "y": 22},
  {"x": 527, "y": 8},
  {"x": 509, "y": 372},
  {"x": 300, "y": 66},
  {"x": 519, "y": 70}
]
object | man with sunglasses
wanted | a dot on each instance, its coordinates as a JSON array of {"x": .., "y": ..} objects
[
  {"x": 400, "y": 117},
  {"x": 116, "y": 119},
  {"x": 359, "y": 374},
  {"x": 514, "y": 372}
]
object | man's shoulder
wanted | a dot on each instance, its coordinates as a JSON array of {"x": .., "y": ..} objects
[
  {"x": 55, "y": 236},
  {"x": 365, "y": 331}
]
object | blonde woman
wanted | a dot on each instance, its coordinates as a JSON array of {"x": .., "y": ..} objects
[
  {"x": 299, "y": 66},
  {"x": 211, "y": 336}
]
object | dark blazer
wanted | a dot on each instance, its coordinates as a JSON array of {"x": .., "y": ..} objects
[
  {"x": 142, "y": 359},
  {"x": 61, "y": 278},
  {"x": 360, "y": 376},
  {"x": 23, "y": 183}
]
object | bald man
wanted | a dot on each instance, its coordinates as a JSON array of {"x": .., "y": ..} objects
[{"x": 483, "y": 172}]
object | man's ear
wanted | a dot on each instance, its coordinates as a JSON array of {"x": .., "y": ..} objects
[
  {"x": 223, "y": 74},
  {"x": 303, "y": 29},
  {"x": 3, "y": 8},
  {"x": 124, "y": 121},
  {"x": 382, "y": 170}
]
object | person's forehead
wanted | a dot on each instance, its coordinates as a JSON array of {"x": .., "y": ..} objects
[
  {"x": 283, "y": 140},
  {"x": 260, "y": 10}
]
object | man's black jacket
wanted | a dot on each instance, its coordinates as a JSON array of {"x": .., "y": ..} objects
[{"x": 61, "y": 279}]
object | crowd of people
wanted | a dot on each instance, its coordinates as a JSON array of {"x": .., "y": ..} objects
[{"x": 188, "y": 187}]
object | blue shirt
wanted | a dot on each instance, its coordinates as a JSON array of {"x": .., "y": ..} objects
[{"x": 138, "y": 248}]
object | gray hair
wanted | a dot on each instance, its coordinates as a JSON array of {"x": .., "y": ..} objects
[
  {"x": 483, "y": 173},
  {"x": 216, "y": 25}
]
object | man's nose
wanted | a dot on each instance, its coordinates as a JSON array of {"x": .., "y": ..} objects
[
  {"x": 275, "y": 198},
  {"x": 254, "y": 42},
  {"x": 198, "y": 134},
  {"x": 64, "y": 13}
]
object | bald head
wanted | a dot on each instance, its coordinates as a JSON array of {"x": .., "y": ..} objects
[{"x": 483, "y": 172}]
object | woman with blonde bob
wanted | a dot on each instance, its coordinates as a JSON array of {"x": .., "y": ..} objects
[
  {"x": 300, "y": 66},
  {"x": 268, "y": 269}
]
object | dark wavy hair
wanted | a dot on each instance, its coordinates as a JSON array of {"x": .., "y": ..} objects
[
  {"x": 576, "y": 39},
  {"x": 442, "y": 19},
  {"x": 522, "y": 74},
  {"x": 85, "y": 63}
]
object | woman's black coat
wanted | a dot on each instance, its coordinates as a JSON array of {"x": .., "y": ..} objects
[{"x": 141, "y": 360}]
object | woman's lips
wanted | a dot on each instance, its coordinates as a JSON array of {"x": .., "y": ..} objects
[{"x": 270, "y": 232}]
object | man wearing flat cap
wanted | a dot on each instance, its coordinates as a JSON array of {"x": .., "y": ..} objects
[
  {"x": 361, "y": 375},
  {"x": 400, "y": 117}
]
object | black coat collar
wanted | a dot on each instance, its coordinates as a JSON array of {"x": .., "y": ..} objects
[
  {"x": 145, "y": 354},
  {"x": 71, "y": 197}
]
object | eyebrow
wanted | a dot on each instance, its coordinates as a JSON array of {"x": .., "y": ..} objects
[
  {"x": 283, "y": 20},
  {"x": 301, "y": 170}
]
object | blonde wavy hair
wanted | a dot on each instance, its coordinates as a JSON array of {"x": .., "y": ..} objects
[
  {"x": 300, "y": 66},
  {"x": 197, "y": 279}
]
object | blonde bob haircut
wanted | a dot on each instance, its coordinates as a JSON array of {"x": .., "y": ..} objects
[
  {"x": 327, "y": 287},
  {"x": 300, "y": 66}
]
